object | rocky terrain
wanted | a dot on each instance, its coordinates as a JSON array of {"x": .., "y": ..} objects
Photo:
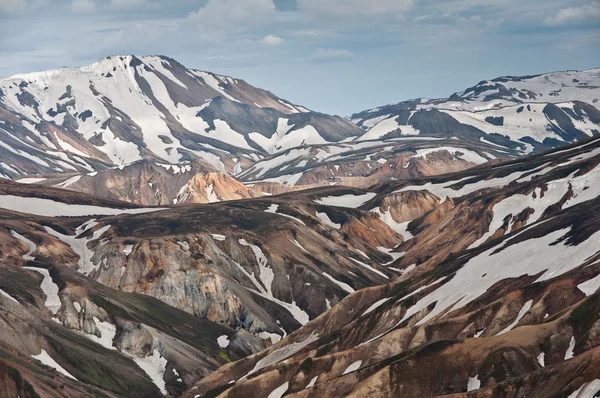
[
  {"x": 170, "y": 232},
  {"x": 497, "y": 295}
]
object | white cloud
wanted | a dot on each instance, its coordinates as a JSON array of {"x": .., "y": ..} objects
[
  {"x": 232, "y": 14},
  {"x": 119, "y": 4},
  {"x": 83, "y": 6},
  {"x": 566, "y": 16},
  {"x": 330, "y": 54},
  {"x": 8, "y": 7},
  {"x": 355, "y": 8},
  {"x": 272, "y": 40}
]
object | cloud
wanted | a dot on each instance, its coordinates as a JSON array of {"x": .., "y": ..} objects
[
  {"x": 120, "y": 4},
  {"x": 232, "y": 14},
  {"x": 355, "y": 8},
  {"x": 330, "y": 54},
  {"x": 83, "y": 6},
  {"x": 8, "y": 7},
  {"x": 272, "y": 40},
  {"x": 572, "y": 15}
]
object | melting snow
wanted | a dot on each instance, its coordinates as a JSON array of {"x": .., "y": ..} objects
[
  {"x": 587, "y": 390},
  {"x": 8, "y": 296},
  {"x": 30, "y": 245},
  {"x": 211, "y": 195},
  {"x": 218, "y": 237},
  {"x": 267, "y": 276},
  {"x": 375, "y": 306},
  {"x": 529, "y": 257},
  {"x": 51, "y": 208},
  {"x": 526, "y": 307},
  {"x": 80, "y": 245},
  {"x": 352, "y": 368},
  {"x": 312, "y": 382},
  {"x": 223, "y": 341},
  {"x": 155, "y": 366},
  {"x": 350, "y": 201},
  {"x": 327, "y": 221},
  {"x": 540, "y": 359},
  {"x": 47, "y": 360},
  {"x": 569, "y": 353},
  {"x": 589, "y": 287},
  {"x": 273, "y": 209},
  {"x": 367, "y": 266},
  {"x": 282, "y": 353},
  {"x": 49, "y": 288},
  {"x": 279, "y": 391},
  {"x": 343, "y": 285},
  {"x": 474, "y": 383}
]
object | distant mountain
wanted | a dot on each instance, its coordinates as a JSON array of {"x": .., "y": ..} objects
[
  {"x": 122, "y": 109},
  {"x": 527, "y": 114}
]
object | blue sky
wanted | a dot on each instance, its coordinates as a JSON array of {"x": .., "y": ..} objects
[{"x": 334, "y": 56}]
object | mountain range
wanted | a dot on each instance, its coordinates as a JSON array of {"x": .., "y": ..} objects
[{"x": 171, "y": 232}]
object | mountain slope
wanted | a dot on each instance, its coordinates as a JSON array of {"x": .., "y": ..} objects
[
  {"x": 498, "y": 294},
  {"x": 527, "y": 114},
  {"x": 125, "y": 108}
]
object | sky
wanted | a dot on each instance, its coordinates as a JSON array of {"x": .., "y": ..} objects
[{"x": 332, "y": 56}]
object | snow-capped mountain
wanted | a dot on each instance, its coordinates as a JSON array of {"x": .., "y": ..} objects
[
  {"x": 527, "y": 114},
  {"x": 122, "y": 109}
]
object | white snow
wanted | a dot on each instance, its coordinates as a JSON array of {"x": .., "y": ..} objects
[
  {"x": 30, "y": 245},
  {"x": 569, "y": 353},
  {"x": 267, "y": 276},
  {"x": 279, "y": 391},
  {"x": 127, "y": 250},
  {"x": 312, "y": 382},
  {"x": 8, "y": 296},
  {"x": 47, "y": 360},
  {"x": 80, "y": 245},
  {"x": 275, "y": 338},
  {"x": 350, "y": 201},
  {"x": 107, "y": 330},
  {"x": 582, "y": 188},
  {"x": 587, "y": 390},
  {"x": 282, "y": 353},
  {"x": 461, "y": 153},
  {"x": 539, "y": 255},
  {"x": 375, "y": 306},
  {"x": 210, "y": 194},
  {"x": 400, "y": 228},
  {"x": 273, "y": 209},
  {"x": 540, "y": 359},
  {"x": 155, "y": 366},
  {"x": 367, "y": 266},
  {"x": 223, "y": 341},
  {"x": 51, "y": 208},
  {"x": 479, "y": 333},
  {"x": 474, "y": 383},
  {"x": 67, "y": 183},
  {"x": 30, "y": 180},
  {"x": 49, "y": 288},
  {"x": 526, "y": 307},
  {"x": 327, "y": 221},
  {"x": 589, "y": 287},
  {"x": 352, "y": 368},
  {"x": 218, "y": 237},
  {"x": 341, "y": 284}
]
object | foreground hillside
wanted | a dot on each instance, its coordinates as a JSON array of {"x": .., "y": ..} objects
[
  {"x": 491, "y": 271},
  {"x": 497, "y": 297}
]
